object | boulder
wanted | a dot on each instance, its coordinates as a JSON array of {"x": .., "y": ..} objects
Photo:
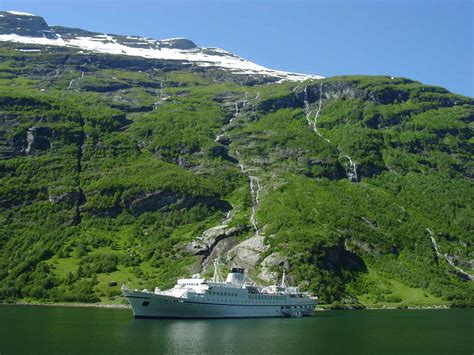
[{"x": 247, "y": 253}]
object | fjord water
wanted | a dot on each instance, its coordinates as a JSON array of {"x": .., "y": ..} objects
[{"x": 66, "y": 330}]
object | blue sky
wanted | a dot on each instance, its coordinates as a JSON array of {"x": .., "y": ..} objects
[{"x": 426, "y": 40}]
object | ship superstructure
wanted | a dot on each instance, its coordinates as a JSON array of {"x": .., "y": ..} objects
[{"x": 233, "y": 298}]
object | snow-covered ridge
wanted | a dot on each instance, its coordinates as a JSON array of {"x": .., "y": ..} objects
[
  {"x": 152, "y": 49},
  {"x": 18, "y": 13}
]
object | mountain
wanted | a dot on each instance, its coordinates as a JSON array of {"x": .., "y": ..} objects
[
  {"x": 126, "y": 164},
  {"x": 26, "y": 28}
]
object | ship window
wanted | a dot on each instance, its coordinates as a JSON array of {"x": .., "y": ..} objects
[{"x": 145, "y": 303}]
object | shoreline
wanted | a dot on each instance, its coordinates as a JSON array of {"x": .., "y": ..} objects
[
  {"x": 386, "y": 308},
  {"x": 70, "y": 305},
  {"x": 324, "y": 308}
]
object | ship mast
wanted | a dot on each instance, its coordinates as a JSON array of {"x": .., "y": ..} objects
[{"x": 283, "y": 279}]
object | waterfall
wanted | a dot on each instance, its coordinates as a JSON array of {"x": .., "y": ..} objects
[
  {"x": 447, "y": 257},
  {"x": 320, "y": 105},
  {"x": 313, "y": 123},
  {"x": 255, "y": 191},
  {"x": 297, "y": 87},
  {"x": 352, "y": 173},
  {"x": 307, "y": 109},
  {"x": 433, "y": 242},
  {"x": 160, "y": 95},
  {"x": 238, "y": 106},
  {"x": 245, "y": 100},
  {"x": 69, "y": 87}
]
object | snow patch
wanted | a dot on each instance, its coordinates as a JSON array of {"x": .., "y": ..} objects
[
  {"x": 32, "y": 40},
  {"x": 171, "y": 39},
  {"x": 29, "y": 50},
  {"x": 108, "y": 45},
  {"x": 18, "y": 13}
]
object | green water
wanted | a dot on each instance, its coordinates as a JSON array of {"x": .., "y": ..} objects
[{"x": 63, "y": 330}]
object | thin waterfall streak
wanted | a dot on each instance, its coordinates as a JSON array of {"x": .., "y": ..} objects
[
  {"x": 69, "y": 87},
  {"x": 255, "y": 191},
  {"x": 352, "y": 174},
  {"x": 447, "y": 257}
]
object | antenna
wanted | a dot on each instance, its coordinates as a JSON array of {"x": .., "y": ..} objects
[{"x": 283, "y": 278}]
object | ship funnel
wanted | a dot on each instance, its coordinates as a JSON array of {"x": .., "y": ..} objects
[{"x": 236, "y": 276}]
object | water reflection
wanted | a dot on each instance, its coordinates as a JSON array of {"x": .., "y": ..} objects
[{"x": 55, "y": 330}]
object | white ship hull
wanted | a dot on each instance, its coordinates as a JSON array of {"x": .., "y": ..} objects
[{"x": 151, "y": 305}]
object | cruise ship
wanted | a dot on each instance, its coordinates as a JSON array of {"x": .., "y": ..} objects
[{"x": 236, "y": 297}]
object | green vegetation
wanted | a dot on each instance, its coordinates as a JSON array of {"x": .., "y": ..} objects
[{"x": 105, "y": 178}]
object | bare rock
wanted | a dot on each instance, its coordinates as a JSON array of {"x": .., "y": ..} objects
[
  {"x": 275, "y": 259},
  {"x": 37, "y": 139},
  {"x": 164, "y": 200},
  {"x": 66, "y": 197},
  {"x": 247, "y": 253},
  {"x": 268, "y": 276},
  {"x": 205, "y": 244}
]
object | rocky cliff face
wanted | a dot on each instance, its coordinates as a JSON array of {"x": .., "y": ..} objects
[
  {"x": 119, "y": 168},
  {"x": 24, "y": 24}
]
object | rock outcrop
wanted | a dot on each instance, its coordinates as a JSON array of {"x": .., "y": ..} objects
[
  {"x": 247, "y": 253},
  {"x": 266, "y": 273},
  {"x": 214, "y": 242},
  {"x": 161, "y": 200},
  {"x": 204, "y": 244},
  {"x": 24, "y": 24},
  {"x": 37, "y": 139}
]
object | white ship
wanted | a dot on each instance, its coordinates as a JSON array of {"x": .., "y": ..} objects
[{"x": 234, "y": 298}]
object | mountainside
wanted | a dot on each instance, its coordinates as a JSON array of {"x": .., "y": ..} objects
[{"x": 145, "y": 165}]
